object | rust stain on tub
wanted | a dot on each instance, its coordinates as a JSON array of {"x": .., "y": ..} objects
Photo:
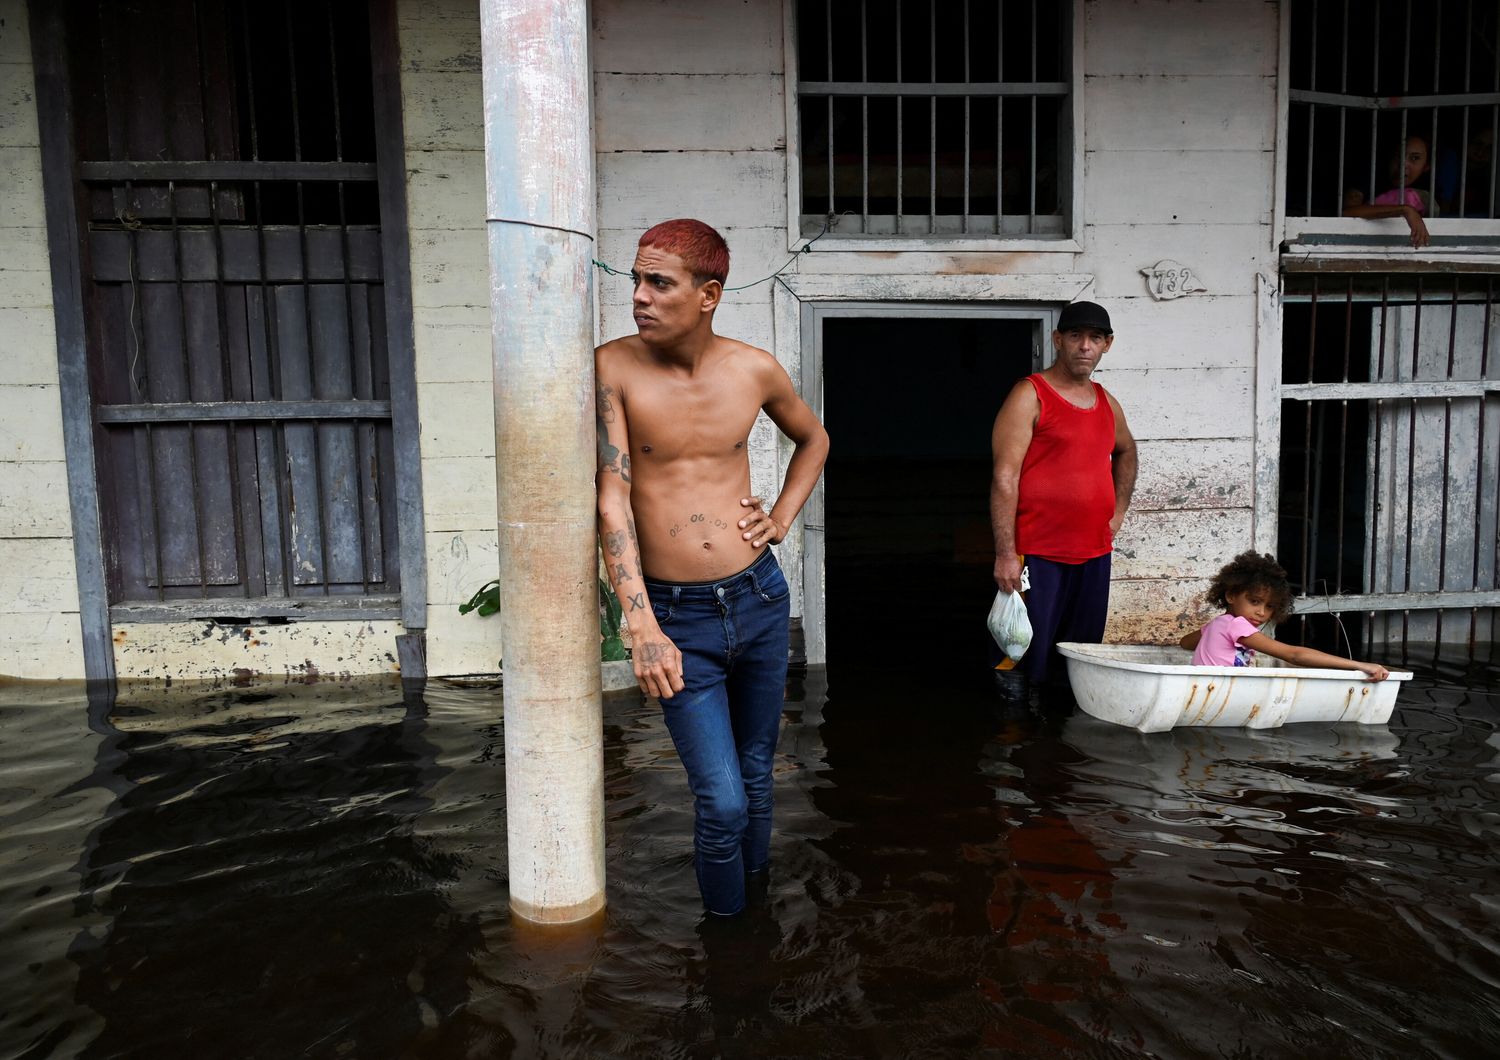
[
  {"x": 1225, "y": 703},
  {"x": 1188, "y": 705},
  {"x": 1208, "y": 695}
]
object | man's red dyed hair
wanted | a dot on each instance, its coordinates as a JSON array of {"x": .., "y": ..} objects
[{"x": 701, "y": 249}]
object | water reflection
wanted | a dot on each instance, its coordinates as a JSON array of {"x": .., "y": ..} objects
[
  {"x": 260, "y": 871},
  {"x": 321, "y": 872}
]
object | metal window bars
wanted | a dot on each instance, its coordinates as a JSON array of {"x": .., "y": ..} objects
[
  {"x": 1390, "y": 458},
  {"x": 1367, "y": 76},
  {"x": 934, "y": 118}
]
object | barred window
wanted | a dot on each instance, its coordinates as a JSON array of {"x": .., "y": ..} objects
[
  {"x": 921, "y": 117},
  {"x": 1370, "y": 76}
]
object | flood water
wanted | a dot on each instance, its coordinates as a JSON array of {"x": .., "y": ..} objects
[{"x": 318, "y": 872}]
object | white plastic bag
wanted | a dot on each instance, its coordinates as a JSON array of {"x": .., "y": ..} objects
[{"x": 1010, "y": 625}]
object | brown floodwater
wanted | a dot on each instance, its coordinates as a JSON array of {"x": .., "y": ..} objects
[{"x": 321, "y": 872}]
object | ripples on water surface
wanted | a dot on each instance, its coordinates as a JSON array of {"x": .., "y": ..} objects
[{"x": 322, "y": 872}]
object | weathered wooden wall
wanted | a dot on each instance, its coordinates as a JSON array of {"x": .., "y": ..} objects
[
  {"x": 40, "y": 635},
  {"x": 443, "y": 109},
  {"x": 1179, "y": 106},
  {"x": 1179, "y": 123},
  {"x": 1180, "y": 132}
]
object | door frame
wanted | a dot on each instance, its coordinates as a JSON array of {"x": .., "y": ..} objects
[{"x": 812, "y": 317}]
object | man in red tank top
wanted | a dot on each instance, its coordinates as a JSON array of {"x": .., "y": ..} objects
[{"x": 1064, "y": 470}]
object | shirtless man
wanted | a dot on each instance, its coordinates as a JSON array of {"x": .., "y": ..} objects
[{"x": 685, "y": 542}]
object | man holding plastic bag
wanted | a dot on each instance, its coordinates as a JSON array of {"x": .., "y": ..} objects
[{"x": 1064, "y": 471}]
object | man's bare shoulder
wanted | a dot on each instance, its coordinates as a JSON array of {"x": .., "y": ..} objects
[
  {"x": 624, "y": 350},
  {"x": 1023, "y": 394},
  {"x": 747, "y": 358}
]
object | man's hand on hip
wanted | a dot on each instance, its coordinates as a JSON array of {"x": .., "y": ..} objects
[{"x": 759, "y": 527}]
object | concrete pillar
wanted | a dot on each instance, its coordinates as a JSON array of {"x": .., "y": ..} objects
[{"x": 539, "y": 177}]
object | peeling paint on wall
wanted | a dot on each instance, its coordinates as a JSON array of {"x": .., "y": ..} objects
[{"x": 237, "y": 652}]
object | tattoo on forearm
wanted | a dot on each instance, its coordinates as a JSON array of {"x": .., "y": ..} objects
[
  {"x": 614, "y": 541},
  {"x": 620, "y": 573},
  {"x": 625, "y": 466},
  {"x": 604, "y": 416},
  {"x": 608, "y": 454},
  {"x": 637, "y": 601}
]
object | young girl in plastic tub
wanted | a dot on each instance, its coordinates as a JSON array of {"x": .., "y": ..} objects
[{"x": 1253, "y": 590}]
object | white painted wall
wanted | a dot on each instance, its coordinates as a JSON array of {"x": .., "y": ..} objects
[
  {"x": 442, "y": 106},
  {"x": 39, "y": 623},
  {"x": 1179, "y": 137},
  {"x": 1179, "y": 117},
  {"x": 40, "y": 635},
  {"x": 1179, "y": 126}
]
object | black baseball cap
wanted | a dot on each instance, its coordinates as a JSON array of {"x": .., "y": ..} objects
[{"x": 1083, "y": 316}]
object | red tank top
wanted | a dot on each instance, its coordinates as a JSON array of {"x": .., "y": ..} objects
[{"x": 1067, "y": 493}]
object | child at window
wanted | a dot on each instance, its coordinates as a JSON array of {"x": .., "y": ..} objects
[
  {"x": 1253, "y": 590},
  {"x": 1404, "y": 201}
]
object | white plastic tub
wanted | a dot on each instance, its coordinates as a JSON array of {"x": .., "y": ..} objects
[{"x": 1152, "y": 689}]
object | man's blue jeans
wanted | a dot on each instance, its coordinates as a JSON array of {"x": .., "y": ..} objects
[{"x": 734, "y": 638}]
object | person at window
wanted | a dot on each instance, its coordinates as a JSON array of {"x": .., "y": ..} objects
[
  {"x": 1063, "y": 474},
  {"x": 1406, "y": 201},
  {"x": 1253, "y": 590},
  {"x": 685, "y": 541}
]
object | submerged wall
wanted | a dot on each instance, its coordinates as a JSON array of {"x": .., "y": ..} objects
[
  {"x": 39, "y": 622},
  {"x": 40, "y": 634},
  {"x": 1178, "y": 156},
  {"x": 442, "y": 107},
  {"x": 1178, "y": 138}
]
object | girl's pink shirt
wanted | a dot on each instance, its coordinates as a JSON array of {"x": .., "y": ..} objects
[
  {"x": 1393, "y": 197},
  {"x": 1219, "y": 643}
]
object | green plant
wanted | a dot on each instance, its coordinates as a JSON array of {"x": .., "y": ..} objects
[
  {"x": 486, "y": 602},
  {"x": 611, "y": 648}
]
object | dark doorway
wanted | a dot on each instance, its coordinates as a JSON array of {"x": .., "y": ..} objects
[{"x": 909, "y": 404}]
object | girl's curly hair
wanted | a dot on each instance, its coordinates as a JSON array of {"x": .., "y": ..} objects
[{"x": 1252, "y": 570}]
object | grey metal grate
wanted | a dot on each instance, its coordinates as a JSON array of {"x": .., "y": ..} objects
[
  {"x": 922, "y": 118},
  {"x": 1390, "y": 453},
  {"x": 1368, "y": 74},
  {"x": 235, "y": 281}
]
